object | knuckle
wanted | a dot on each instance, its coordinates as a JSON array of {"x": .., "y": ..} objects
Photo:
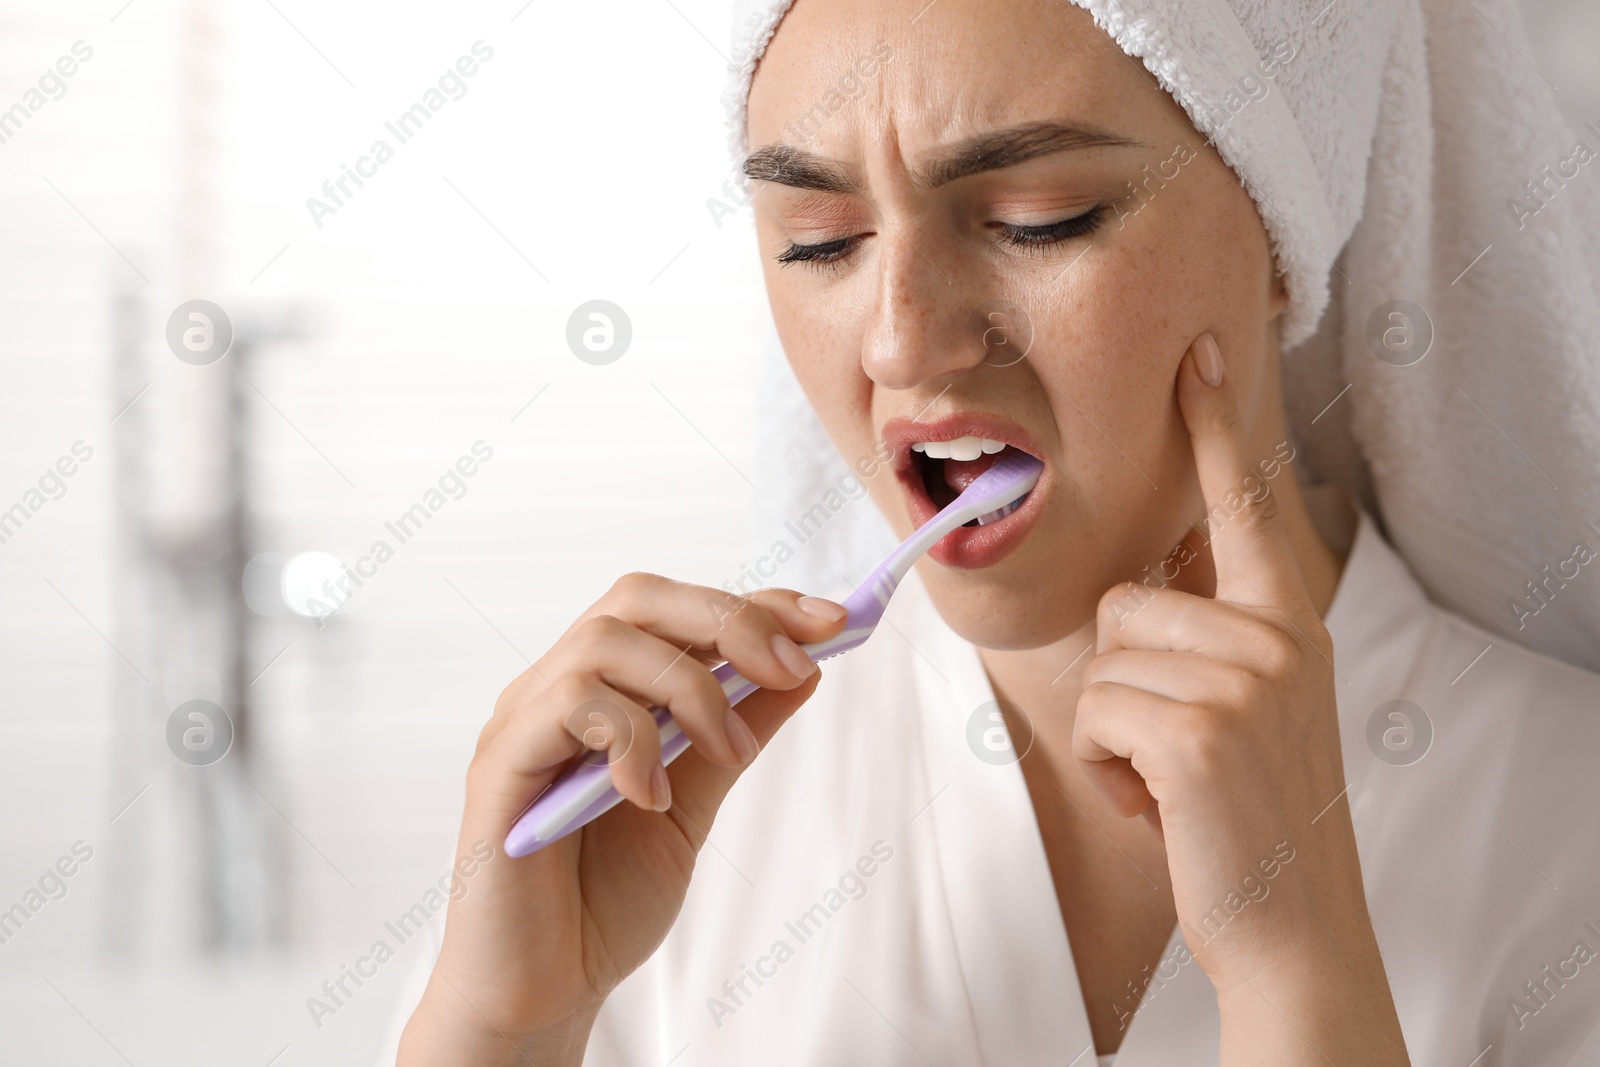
[
  {"x": 595, "y": 633},
  {"x": 486, "y": 736},
  {"x": 1175, "y": 625},
  {"x": 505, "y": 702},
  {"x": 616, "y": 730},
  {"x": 1238, "y": 688},
  {"x": 743, "y": 615},
  {"x": 600, "y": 724},
  {"x": 1094, "y": 697},
  {"x": 521, "y": 689},
  {"x": 486, "y": 768},
  {"x": 1101, "y": 667},
  {"x": 704, "y": 691},
  {"x": 771, "y": 602},
  {"x": 726, "y": 607},
  {"x": 690, "y": 685},
  {"x": 632, "y": 585},
  {"x": 1117, "y": 604},
  {"x": 1278, "y": 651},
  {"x": 1201, "y": 735},
  {"x": 567, "y": 693}
]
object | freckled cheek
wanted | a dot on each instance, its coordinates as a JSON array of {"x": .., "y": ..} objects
[{"x": 1121, "y": 328}]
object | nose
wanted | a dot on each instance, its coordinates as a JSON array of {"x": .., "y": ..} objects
[{"x": 921, "y": 328}]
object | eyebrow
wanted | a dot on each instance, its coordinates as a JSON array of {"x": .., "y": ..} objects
[{"x": 786, "y": 164}]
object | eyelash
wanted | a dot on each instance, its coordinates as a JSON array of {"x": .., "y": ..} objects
[
  {"x": 825, "y": 254},
  {"x": 1029, "y": 238}
]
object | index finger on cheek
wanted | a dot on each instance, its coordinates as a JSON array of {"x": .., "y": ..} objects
[{"x": 1249, "y": 547}]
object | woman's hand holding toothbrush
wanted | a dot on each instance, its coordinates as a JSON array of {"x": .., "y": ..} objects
[{"x": 534, "y": 945}]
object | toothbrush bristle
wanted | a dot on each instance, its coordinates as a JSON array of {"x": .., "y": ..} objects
[
  {"x": 998, "y": 513},
  {"x": 1017, "y": 471}
]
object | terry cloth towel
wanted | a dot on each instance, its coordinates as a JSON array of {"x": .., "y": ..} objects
[{"x": 1439, "y": 229}]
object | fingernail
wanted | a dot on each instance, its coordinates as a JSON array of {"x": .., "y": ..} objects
[
  {"x": 1208, "y": 359},
  {"x": 822, "y": 609},
  {"x": 790, "y": 656},
  {"x": 739, "y": 736},
  {"x": 660, "y": 788}
]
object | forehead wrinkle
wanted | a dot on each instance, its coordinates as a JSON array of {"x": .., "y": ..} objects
[{"x": 1011, "y": 146}]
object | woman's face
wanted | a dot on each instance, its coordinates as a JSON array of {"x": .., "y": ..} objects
[{"x": 984, "y": 220}]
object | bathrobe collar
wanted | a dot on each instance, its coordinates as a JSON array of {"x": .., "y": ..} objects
[{"x": 1016, "y": 962}]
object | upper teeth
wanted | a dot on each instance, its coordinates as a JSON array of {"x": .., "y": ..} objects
[{"x": 963, "y": 448}]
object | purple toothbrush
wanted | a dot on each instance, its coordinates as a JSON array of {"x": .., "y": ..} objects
[{"x": 584, "y": 792}]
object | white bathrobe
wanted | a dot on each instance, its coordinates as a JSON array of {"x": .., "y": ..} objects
[{"x": 873, "y": 892}]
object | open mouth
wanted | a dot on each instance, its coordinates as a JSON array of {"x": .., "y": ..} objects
[
  {"x": 947, "y": 468},
  {"x": 937, "y": 459}
]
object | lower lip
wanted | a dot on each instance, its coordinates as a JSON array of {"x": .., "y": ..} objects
[{"x": 973, "y": 547}]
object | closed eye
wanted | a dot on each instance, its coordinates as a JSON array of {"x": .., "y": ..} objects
[
  {"x": 826, "y": 252},
  {"x": 1029, "y": 238},
  {"x": 1040, "y": 237}
]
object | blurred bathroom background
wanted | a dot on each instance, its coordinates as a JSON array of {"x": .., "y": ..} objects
[{"x": 266, "y": 560}]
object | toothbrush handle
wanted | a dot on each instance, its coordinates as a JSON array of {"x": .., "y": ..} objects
[{"x": 584, "y": 791}]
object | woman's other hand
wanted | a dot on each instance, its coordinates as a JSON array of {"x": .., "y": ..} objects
[
  {"x": 535, "y": 944},
  {"x": 1215, "y": 718}
]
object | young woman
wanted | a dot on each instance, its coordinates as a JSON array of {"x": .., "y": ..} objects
[{"x": 1180, "y": 762}]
